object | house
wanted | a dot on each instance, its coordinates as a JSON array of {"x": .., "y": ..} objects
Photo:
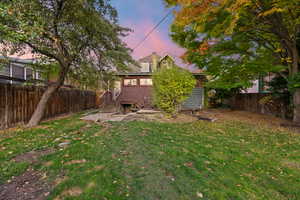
[
  {"x": 135, "y": 87},
  {"x": 14, "y": 70},
  {"x": 18, "y": 71},
  {"x": 260, "y": 85}
]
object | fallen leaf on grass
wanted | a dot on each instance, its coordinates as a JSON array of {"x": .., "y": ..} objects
[
  {"x": 97, "y": 168},
  {"x": 221, "y": 131},
  {"x": 100, "y": 167},
  {"x": 199, "y": 194},
  {"x": 91, "y": 185},
  {"x": 188, "y": 164},
  {"x": 59, "y": 180},
  {"x": 74, "y": 191},
  {"x": 124, "y": 153},
  {"x": 76, "y": 162},
  {"x": 48, "y": 164},
  {"x": 114, "y": 156}
]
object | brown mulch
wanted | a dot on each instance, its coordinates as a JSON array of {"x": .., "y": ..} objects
[{"x": 28, "y": 186}]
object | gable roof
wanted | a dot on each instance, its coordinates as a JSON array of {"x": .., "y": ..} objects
[
  {"x": 18, "y": 60},
  {"x": 148, "y": 59},
  {"x": 166, "y": 56},
  {"x": 135, "y": 70}
]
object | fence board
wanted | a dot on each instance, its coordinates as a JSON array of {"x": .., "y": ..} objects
[
  {"x": 252, "y": 102},
  {"x": 17, "y": 103},
  {"x": 2, "y": 107}
]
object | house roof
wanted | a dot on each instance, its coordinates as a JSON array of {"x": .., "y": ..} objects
[
  {"x": 134, "y": 70},
  {"x": 149, "y": 74},
  {"x": 148, "y": 58},
  {"x": 165, "y": 56},
  {"x": 135, "y": 74},
  {"x": 18, "y": 60}
]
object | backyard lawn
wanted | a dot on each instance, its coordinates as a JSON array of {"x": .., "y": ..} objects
[{"x": 74, "y": 159}]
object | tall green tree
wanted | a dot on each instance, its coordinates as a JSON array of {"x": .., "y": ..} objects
[
  {"x": 236, "y": 40},
  {"x": 76, "y": 35}
]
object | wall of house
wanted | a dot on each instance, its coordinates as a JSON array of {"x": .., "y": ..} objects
[
  {"x": 254, "y": 88},
  {"x": 142, "y": 95},
  {"x": 18, "y": 71},
  {"x": 138, "y": 94}
]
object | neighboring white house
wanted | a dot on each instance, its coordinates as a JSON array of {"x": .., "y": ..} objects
[
  {"x": 17, "y": 71},
  {"x": 260, "y": 85},
  {"x": 254, "y": 88}
]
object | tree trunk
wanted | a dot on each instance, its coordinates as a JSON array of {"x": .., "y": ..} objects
[
  {"x": 41, "y": 107},
  {"x": 296, "y": 95},
  {"x": 296, "y": 102}
]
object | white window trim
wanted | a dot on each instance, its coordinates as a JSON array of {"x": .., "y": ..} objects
[
  {"x": 136, "y": 82},
  {"x": 147, "y": 82},
  {"x": 10, "y": 72},
  {"x": 145, "y": 65},
  {"x": 25, "y": 73}
]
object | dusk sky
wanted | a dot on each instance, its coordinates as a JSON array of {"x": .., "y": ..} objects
[{"x": 142, "y": 16}]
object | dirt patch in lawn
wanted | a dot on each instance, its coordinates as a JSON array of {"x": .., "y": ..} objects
[
  {"x": 180, "y": 118},
  {"x": 33, "y": 156},
  {"x": 72, "y": 192},
  {"x": 291, "y": 164},
  {"x": 161, "y": 117},
  {"x": 28, "y": 186},
  {"x": 245, "y": 116},
  {"x": 31, "y": 185},
  {"x": 140, "y": 117}
]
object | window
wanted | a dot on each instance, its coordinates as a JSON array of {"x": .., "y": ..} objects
[
  {"x": 145, "y": 67},
  {"x": 146, "y": 81},
  {"x": 29, "y": 74},
  {"x": 4, "y": 70},
  {"x": 18, "y": 71},
  {"x": 38, "y": 76},
  {"x": 130, "y": 82}
]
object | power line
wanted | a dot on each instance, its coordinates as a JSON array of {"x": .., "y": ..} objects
[{"x": 153, "y": 29}]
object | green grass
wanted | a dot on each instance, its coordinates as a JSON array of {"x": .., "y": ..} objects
[{"x": 150, "y": 160}]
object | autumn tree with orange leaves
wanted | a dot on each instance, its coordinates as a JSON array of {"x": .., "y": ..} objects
[{"x": 237, "y": 40}]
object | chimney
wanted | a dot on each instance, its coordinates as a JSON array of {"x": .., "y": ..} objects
[{"x": 154, "y": 61}]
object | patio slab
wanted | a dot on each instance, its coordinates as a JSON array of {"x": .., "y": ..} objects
[{"x": 106, "y": 117}]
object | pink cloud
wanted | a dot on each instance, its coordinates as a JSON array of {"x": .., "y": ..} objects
[{"x": 156, "y": 42}]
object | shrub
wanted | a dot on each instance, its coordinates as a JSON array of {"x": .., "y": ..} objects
[{"x": 171, "y": 87}]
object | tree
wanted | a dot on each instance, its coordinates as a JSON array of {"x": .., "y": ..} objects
[
  {"x": 75, "y": 35},
  {"x": 171, "y": 87},
  {"x": 241, "y": 38}
]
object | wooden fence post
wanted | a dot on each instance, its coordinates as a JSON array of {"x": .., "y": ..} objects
[{"x": 6, "y": 106}]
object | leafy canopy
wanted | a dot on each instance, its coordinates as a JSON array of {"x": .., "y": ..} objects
[
  {"x": 171, "y": 87},
  {"x": 235, "y": 41},
  {"x": 80, "y": 36}
]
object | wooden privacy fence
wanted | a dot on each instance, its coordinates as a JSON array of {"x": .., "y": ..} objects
[
  {"x": 17, "y": 103},
  {"x": 260, "y": 103}
]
